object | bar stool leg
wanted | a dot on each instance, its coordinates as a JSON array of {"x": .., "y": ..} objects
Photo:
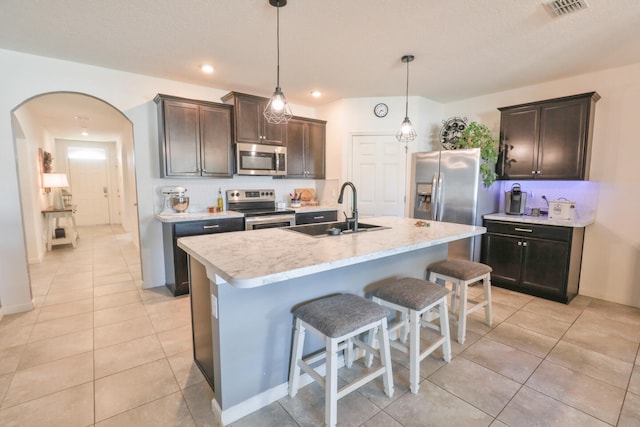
[
  {"x": 331, "y": 385},
  {"x": 385, "y": 358},
  {"x": 414, "y": 351},
  {"x": 462, "y": 313},
  {"x": 486, "y": 281},
  {"x": 296, "y": 354},
  {"x": 444, "y": 330}
]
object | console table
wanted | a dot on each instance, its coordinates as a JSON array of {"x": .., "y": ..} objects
[{"x": 52, "y": 221}]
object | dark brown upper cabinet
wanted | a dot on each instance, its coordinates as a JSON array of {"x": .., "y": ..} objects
[
  {"x": 195, "y": 138},
  {"x": 306, "y": 140},
  {"x": 548, "y": 140},
  {"x": 249, "y": 123}
]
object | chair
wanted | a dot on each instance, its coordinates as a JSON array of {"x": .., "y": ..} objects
[
  {"x": 338, "y": 320},
  {"x": 462, "y": 273}
]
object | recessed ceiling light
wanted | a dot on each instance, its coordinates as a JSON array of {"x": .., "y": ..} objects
[
  {"x": 316, "y": 94},
  {"x": 206, "y": 68}
]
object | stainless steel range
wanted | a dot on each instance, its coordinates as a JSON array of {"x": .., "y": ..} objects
[{"x": 259, "y": 209}]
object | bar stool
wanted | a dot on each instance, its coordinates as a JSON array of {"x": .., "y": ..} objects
[
  {"x": 411, "y": 298},
  {"x": 339, "y": 320},
  {"x": 462, "y": 273}
]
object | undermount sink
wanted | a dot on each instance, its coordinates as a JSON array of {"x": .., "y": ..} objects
[{"x": 332, "y": 228}]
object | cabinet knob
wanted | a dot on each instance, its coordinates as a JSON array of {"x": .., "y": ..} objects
[
  {"x": 519, "y": 243},
  {"x": 533, "y": 172},
  {"x": 524, "y": 243}
]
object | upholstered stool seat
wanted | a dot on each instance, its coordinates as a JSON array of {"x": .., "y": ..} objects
[
  {"x": 339, "y": 320},
  {"x": 461, "y": 274},
  {"x": 412, "y": 298}
]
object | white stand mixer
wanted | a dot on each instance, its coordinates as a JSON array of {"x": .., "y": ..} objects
[{"x": 175, "y": 200}]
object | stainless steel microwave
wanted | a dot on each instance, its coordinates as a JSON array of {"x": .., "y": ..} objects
[{"x": 258, "y": 159}]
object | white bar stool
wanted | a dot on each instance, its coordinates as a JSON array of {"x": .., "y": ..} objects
[
  {"x": 412, "y": 298},
  {"x": 462, "y": 273},
  {"x": 339, "y": 320}
]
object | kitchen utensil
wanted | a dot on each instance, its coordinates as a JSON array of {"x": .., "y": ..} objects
[{"x": 515, "y": 200}]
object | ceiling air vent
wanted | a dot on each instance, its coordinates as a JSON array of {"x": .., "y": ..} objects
[{"x": 565, "y": 7}]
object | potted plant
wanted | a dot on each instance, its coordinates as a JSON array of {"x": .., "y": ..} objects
[{"x": 477, "y": 135}]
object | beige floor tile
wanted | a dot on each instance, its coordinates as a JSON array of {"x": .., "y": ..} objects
[
  {"x": 198, "y": 398},
  {"x": 522, "y": 339},
  {"x": 159, "y": 293},
  {"x": 73, "y": 277},
  {"x": 433, "y": 406},
  {"x": 602, "y": 340},
  {"x": 577, "y": 390},
  {"x": 129, "y": 389},
  {"x": 597, "y": 365},
  {"x": 508, "y": 361},
  {"x": 185, "y": 369},
  {"x": 59, "y": 297},
  {"x": 9, "y": 358},
  {"x": 43, "y": 351},
  {"x": 126, "y": 355},
  {"x": 176, "y": 340},
  {"x": 499, "y": 312},
  {"x": 475, "y": 384},
  {"x": 556, "y": 310},
  {"x": 11, "y": 336},
  {"x": 168, "y": 411},
  {"x": 529, "y": 405},
  {"x": 112, "y": 278},
  {"x": 613, "y": 311},
  {"x": 539, "y": 323},
  {"x": 115, "y": 300},
  {"x": 118, "y": 314},
  {"x": 62, "y": 326},
  {"x": 70, "y": 287},
  {"x": 630, "y": 415},
  {"x": 49, "y": 378},
  {"x": 634, "y": 383},
  {"x": 5, "y": 382},
  {"x": 102, "y": 271},
  {"x": 114, "y": 288},
  {"x": 180, "y": 317},
  {"x": 115, "y": 333},
  {"x": 381, "y": 419},
  {"x": 272, "y": 415},
  {"x": 507, "y": 297},
  {"x": 19, "y": 319},
  {"x": 618, "y": 326},
  {"x": 67, "y": 309},
  {"x": 70, "y": 407}
]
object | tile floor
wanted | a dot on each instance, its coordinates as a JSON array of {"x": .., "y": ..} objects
[{"x": 99, "y": 350}]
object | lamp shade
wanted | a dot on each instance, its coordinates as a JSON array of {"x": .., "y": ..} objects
[{"x": 55, "y": 180}]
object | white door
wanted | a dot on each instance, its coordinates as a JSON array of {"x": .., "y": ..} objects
[
  {"x": 90, "y": 190},
  {"x": 378, "y": 172}
]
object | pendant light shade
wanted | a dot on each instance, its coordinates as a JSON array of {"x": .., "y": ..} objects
[
  {"x": 277, "y": 110},
  {"x": 406, "y": 133}
]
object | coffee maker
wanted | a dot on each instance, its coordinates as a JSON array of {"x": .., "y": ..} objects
[{"x": 515, "y": 200}]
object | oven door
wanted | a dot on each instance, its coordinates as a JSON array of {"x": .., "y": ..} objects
[{"x": 268, "y": 221}]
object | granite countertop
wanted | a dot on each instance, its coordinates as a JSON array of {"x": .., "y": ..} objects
[
  {"x": 580, "y": 220},
  {"x": 198, "y": 216},
  {"x": 260, "y": 257}
]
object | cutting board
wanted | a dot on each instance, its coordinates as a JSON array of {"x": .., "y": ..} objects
[{"x": 306, "y": 194}]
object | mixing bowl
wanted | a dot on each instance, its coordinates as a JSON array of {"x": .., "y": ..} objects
[{"x": 180, "y": 204}]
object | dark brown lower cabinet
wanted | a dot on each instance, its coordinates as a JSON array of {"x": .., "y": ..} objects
[
  {"x": 539, "y": 260},
  {"x": 315, "y": 217},
  {"x": 176, "y": 266}
]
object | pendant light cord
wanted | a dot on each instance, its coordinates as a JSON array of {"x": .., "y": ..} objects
[
  {"x": 278, "y": 44},
  {"x": 406, "y": 105}
]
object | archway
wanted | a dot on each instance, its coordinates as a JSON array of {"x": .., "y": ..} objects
[{"x": 51, "y": 123}]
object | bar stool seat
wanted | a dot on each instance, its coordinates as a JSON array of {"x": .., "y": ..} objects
[
  {"x": 339, "y": 319},
  {"x": 461, "y": 274},
  {"x": 412, "y": 298}
]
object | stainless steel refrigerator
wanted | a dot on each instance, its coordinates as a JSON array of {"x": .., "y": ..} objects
[{"x": 446, "y": 186}]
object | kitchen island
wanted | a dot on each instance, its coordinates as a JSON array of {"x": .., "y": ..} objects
[{"x": 244, "y": 286}]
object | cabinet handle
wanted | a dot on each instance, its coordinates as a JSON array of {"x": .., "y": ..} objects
[
  {"x": 318, "y": 217},
  {"x": 524, "y": 243},
  {"x": 533, "y": 172},
  {"x": 526, "y": 230},
  {"x": 519, "y": 243},
  {"x": 207, "y": 227}
]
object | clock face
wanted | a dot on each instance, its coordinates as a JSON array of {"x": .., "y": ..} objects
[
  {"x": 451, "y": 131},
  {"x": 380, "y": 110}
]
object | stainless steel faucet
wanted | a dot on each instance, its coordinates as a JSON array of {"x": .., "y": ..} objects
[{"x": 354, "y": 205}]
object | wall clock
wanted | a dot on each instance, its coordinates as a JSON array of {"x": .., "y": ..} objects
[
  {"x": 380, "y": 110},
  {"x": 451, "y": 131}
]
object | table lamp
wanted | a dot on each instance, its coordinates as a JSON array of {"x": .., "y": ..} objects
[{"x": 55, "y": 181}]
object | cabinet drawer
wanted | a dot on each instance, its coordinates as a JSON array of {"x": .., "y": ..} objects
[
  {"x": 313, "y": 217},
  {"x": 209, "y": 226},
  {"x": 529, "y": 230}
]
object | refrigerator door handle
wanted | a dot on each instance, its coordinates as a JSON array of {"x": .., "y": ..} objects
[
  {"x": 434, "y": 198},
  {"x": 440, "y": 196}
]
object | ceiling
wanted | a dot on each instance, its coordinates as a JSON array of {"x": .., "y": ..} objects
[{"x": 346, "y": 49}]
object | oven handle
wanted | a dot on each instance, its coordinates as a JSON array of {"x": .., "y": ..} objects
[{"x": 269, "y": 218}]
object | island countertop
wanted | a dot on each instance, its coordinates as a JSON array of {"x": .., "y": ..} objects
[{"x": 248, "y": 259}]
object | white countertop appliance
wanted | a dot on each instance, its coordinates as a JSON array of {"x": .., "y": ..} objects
[
  {"x": 175, "y": 200},
  {"x": 562, "y": 209}
]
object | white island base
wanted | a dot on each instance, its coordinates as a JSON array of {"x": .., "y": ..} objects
[{"x": 249, "y": 329}]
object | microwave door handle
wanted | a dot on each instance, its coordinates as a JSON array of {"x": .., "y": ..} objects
[{"x": 434, "y": 198}]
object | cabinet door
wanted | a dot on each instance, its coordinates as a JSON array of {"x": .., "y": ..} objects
[
  {"x": 271, "y": 133},
  {"x": 315, "y": 150},
  {"x": 215, "y": 148},
  {"x": 544, "y": 266},
  {"x": 504, "y": 255},
  {"x": 563, "y": 139},
  {"x": 519, "y": 130},
  {"x": 181, "y": 139},
  {"x": 296, "y": 135},
  {"x": 248, "y": 120}
]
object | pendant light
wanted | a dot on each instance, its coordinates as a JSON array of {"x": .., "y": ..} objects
[
  {"x": 277, "y": 110},
  {"x": 406, "y": 133}
]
